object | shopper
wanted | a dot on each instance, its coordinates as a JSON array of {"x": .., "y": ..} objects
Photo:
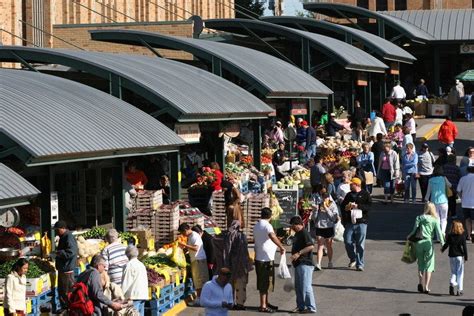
[
  {"x": 279, "y": 157},
  {"x": 333, "y": 127},
  {"x": 316, "y": 172},
  {"x": 218, "y": 176},
  {"x": 216, "y": 295},
  {"x": 465, "y": 190},
  {"x": 399, "y": 115},
  {"x": 456, "y": 241},
  {"x": 468, "y": 107},
  {"x": 135, "y": 176},
  {"x": 14, "y": 298},
  {"x": 453, "y": 174},
  {"x": 365, "y": 161},
  {"x": 448, "y": 132},
  {"x": 410, "y": 171},
  {"x": 114, "y": 255},
  {"x": 355, "y": 217},
  {"x": 276, "y": 134},
  {"x": 389, "y": 113},
  {"x": 407, "y": 139},
  {"x": 66, "y": 261},
  {"x": 114, "y": 293},
  {"x": 411, "y": 125},
  {"x": 236, "y": 258},
  {"x": 429, "y": 224},
  {"x": 438, "y": 195},
  {"x": 466, "y": 160},
  {"x": 197, "y": 256},
  {"x": 301, "y": 133},
  {"x": 310, "y": 142},
  {"x": 421, "y": 90},
  {"x": 266, "y": 244},
  {"x": 377, "y": 126},
  {"x": 344, "y": 187},
  {"x": 388, "y": 170},
  {"x": 324, "y": 217},
  {"x": 377, "y": 149},
  {"x": 328, "y": 183},
  {"x": 302, "y": 259},
  {"x": 91, "y": 278},
  {"x": 426, "y": 161},
  {"x": 135, "y": 279},
  {"x": 398, "y": 92},
  {"x": 207, "y": 242}
]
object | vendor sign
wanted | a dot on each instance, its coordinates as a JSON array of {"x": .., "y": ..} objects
[{"x": 190, "y": 133}]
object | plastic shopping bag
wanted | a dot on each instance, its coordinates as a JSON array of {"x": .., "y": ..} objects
[
  {"x": 289, "y": 283},
  {"x": 178, "y": 256},
  {"x": 283, "y": 271},
  {"x": 339, "y": 232},
  {"x": 409, "y": 255}
]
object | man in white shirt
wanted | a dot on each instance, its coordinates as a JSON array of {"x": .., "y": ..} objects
[
  {"x": 198, "y": 258},
  {"x": 217, "y": 294},
  {"x": 266, "y": 244},
  {"x": 398, "y": 92},
  {"x": 466, "y": 192}
]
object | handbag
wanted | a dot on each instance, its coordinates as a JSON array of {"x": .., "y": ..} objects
[
  {"x": 369, "y": 177},
  {"x": 417, "y": 236},
  {"x": 449, "y": 190},
  {"x": 409, "y": 253}
]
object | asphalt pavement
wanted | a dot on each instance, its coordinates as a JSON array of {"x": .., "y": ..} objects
[{"x": 387, "y": 286}]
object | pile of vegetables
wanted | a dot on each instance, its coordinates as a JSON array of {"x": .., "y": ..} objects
[
  {"x": 127, "y": 236},
  {"x": 34, "y": 271},
  {"x": 44, "y": 265},
  {"x": 87, "y": 248},
  {"x": 154, "y": 278},
  {"x": 95, "y": 233},
  {"x": 160, "y": 260}
]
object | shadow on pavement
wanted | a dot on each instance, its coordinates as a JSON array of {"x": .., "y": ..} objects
[
  {"x": 444, "y": 303},
  {"x": 365, "y": 288}
]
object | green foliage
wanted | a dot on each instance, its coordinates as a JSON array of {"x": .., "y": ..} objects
[{"x": 255, "y": 6}]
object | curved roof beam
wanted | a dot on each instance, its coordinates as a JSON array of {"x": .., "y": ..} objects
[
  {"x": 348, "y": 56},
  {"x": 184, "y": 92},
  {"x": 254, "y": 67},
  {"x": 380, "y": 46},
  {"x": 348, "y": 11}
]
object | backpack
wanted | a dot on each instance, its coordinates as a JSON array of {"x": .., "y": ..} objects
[{"x": 79, "y": 302}]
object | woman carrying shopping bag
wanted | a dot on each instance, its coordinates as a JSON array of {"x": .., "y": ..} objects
[{"x": 428, "y": 224}]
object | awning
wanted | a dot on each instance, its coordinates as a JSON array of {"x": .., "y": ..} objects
[
  {"x": 348, "y": 56},
  {"x": 14, "y": 189},
  {"x": 45, "y": 119},
  {"x": 349, "y": 11},
  {"x": 378, "y": 45},
  {"x": 259, "y": 70},
  {"x": 185, "y": 92},
  {"x": 442, "y": 25}
]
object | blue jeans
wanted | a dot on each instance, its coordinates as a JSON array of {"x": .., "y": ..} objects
[
  {"x": 304, "y": 287},
  {"x": 388, "y": 183},
  {"x": 139, "y": 306},
  {"x": 410, "y": 183},
  {"x": 457, "y": 272},
  {"x": 311, "y": 151},
  {"x": 354, "y": 240}
]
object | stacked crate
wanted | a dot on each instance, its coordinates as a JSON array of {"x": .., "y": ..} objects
[
  {"x": 165, "y": 224},
  {"x": 139, "y": 217},
  {"x": 218, "y": 209},
  {"x": 255, "y": 203},
  {"x": 150, "y": 199}
]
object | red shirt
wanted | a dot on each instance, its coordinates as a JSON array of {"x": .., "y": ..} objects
[
  {"x": 389, "y": 112},
  {"x": 137, "y": 178},
  {"x": 447, "y": 132},
  {"x": 216, "y": 185}
]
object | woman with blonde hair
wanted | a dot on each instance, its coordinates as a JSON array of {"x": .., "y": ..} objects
[
  {"x": 428, "y": 223},
  {"x": 328, "y": 183},
  {"x": 456, "y": 241}
]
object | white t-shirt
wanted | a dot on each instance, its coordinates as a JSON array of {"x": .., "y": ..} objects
[
  {"x": 195, "y": 240},
  {"x": 466, "y": 188},
  {"x": 411, "y": 125},
  {"x": 398, "y": 92},
  {"x": 265, "y": 248}
]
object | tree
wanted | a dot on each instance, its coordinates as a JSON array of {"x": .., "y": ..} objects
[{"x": 254, "y": 6}]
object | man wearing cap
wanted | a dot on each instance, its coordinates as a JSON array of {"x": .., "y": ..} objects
[
  {"x": 466, "y": 192},
  {"x": 310, "y": 142},
  {"x": 448, "y": 132},
  {"x": 301, "y": 133},
  {"x": 358, "y": 201},
  {"x": 66, "y": 256},
  {"x": 426, "y": 161}
]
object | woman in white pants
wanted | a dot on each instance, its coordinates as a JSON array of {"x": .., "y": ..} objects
[{"x": 438, "y": 195}]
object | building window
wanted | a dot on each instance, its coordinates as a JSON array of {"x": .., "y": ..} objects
[
  {"x": 382, "y": 5},
  {"x": 363, "y": 4},
  {"x": 400, "y": 5}
]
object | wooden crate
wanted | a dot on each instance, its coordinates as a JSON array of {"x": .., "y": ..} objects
[{"x": 149, "y": 199}]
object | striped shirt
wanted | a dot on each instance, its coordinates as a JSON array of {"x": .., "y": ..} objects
[{"x": 115, "y": 261}]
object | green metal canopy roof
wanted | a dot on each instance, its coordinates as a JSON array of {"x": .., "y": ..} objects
[
  {"x": 48, "y": 120},
  {"x": 183, "y": 91},
  {"x": 14, "y": 189},
  {"x": 467, "y": 75},
  {"x": 271, "y": 76},
  {"x": 442, "y": 25},
  {"x": 349, "y": 11},
  {"x": 346, "y": 55},
  {"x": 379, "y": 45}
]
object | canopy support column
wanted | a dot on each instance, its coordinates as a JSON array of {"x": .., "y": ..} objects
[
  {"x": 436, "y": 70},
  {"x": 175, "y": 176},
  {"x": 118, "y": 206},
  {"x": 45, "y": 217},
  {"x": 381, "y": 28},
  {"x": 257, "y": 146},
  {"x": 115, "y": 85},
  {"x": 305, "y": 56},
  {"x": 216, "y": 66},
  {"x": 370, "y": 95}
]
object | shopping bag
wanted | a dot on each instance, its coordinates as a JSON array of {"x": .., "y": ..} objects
[
  {"x": 178, "y": 257},
  {"x": 409, "y": 255},
  {"x": 339, "y": 232},
  {"x": 283, "y": 271},
  {"x": 289, "y": 283},
  {"x": 355, "y": 215}
]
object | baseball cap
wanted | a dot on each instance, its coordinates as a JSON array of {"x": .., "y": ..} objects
[
  {"x": 278, "y": 123},
  {"x": 425, "y": 145},
  {"x": 356, "y": 181},
  {"x": 304, "y": 123},
  {"x": 300, "y": 119},
  {"x": 332, "y": 114},
  {"x": 448, "y": 149}
]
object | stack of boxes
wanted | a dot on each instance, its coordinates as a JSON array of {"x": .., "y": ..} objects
[
  {"x": 218, "y": 209},
  {"x": 255, "y": 203}
]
